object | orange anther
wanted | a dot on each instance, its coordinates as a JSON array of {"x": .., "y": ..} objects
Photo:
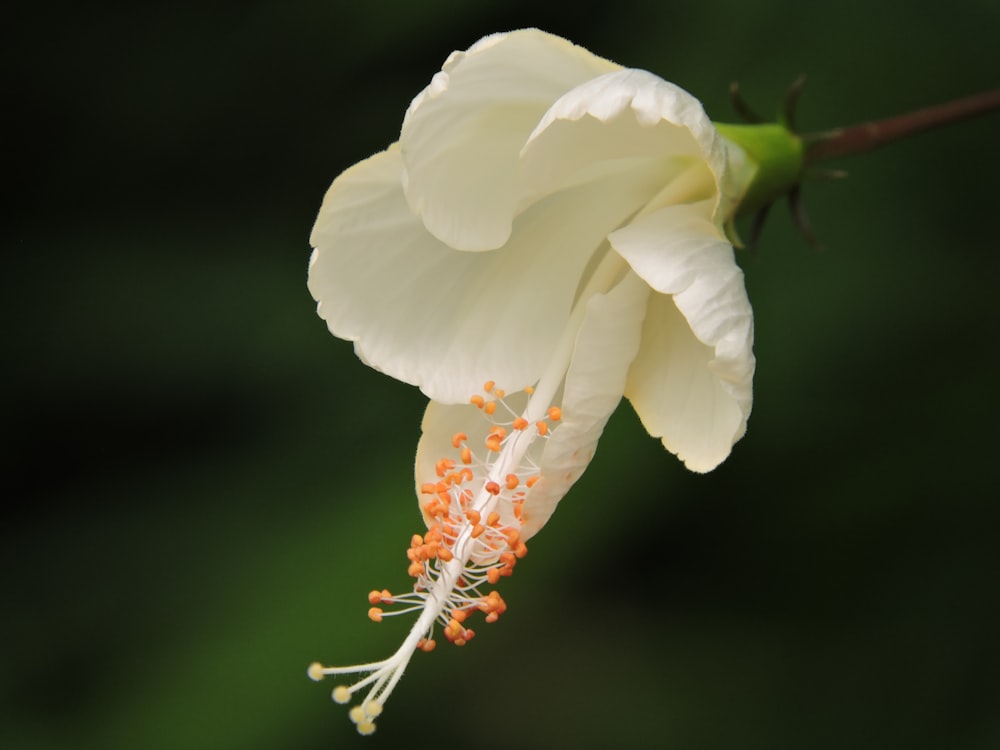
[
  {"x": 386, "y": 596},
  {"x": 478, "y": 401},
  {"x": 499, "y": 393},
  {"x": 488, "y": 385},
  {"x": 555, "y": 413},
  {"x": 520, "y": 423},
  {"x": 532, "y": 481},
  {"x": 427, "y": 646},
  {"x": 543, "y": 428},
  {"x": 416, "y": 569},
  {"x": 492, "y": 617},
  {"x": 458, "y": 438},
  {"x": 427, "y": 489},
  {"x": 459, "y": 641},
  {"x": 493, "y": 576},
  {"x": 490, "y": 407},
  {"x": 458, "y": 615},
  {"x": 493, "y": 443},
  {"x": 375, "y": 614},
  {"x": 492, "y": 519},
  {"x": 499, "y": 431},
  {"x": 469, "y": 634},
  {"x": 374, "y": 597},
  {"x": 508, "y": 559},
  {"x": 477, "y": 530},
  {"x": 443, "y": 466},
  {"x": 513, "y": 535},
  {"x": 416, "y": 540},
  {"x": 493, "y": 488},
  {"x": 529, "y": 390},
  {"x": 512, "y": 481},
  {"x": 522, "y": 549},
  {"x": 466, "y": 455},
  {"x": 473, "y": 516},
  {"x": 445, "y": 555}
]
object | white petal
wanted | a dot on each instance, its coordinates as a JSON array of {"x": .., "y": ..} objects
[
  {"x": 605, "y": 346},
  {"x": 692, "y": 381},
  {"x": 618, "y": 117},
  {"x": 462, "y": 134},
  {"x": 445, "y": 320}
]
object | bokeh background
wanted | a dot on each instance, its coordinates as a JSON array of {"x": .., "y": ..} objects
[{"x": 203, "y": 484}]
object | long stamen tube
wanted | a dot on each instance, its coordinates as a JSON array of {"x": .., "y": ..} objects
[{"x": 472, "y": 541}]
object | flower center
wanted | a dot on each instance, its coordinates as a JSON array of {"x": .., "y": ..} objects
[{"x": 473, "y": 539}]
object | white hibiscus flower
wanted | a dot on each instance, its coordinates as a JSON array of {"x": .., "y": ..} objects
[{"x": 551, "y": 223}]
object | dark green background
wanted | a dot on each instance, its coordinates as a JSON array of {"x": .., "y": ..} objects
[{"x": 205, "y": 484}]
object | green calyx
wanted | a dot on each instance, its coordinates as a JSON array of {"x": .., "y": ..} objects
[{"x": 777, "y": 161}]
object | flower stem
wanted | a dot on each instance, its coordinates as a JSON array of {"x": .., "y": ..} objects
[{"x": 870, "y": 135}]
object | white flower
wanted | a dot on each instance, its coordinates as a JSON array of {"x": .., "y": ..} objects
[{"x": 552, "y": 222}]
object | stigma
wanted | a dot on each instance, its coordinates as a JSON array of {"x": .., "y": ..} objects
[{"x": 473, "y": 506}]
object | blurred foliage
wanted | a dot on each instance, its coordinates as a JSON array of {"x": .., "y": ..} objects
[{"x": 204, "y": 483}]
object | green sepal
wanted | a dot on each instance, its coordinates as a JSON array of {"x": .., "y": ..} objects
[{"x": 778, "y": 156}]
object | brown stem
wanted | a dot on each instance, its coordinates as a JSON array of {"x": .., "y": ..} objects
[{"x": 870, "y": 135}]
